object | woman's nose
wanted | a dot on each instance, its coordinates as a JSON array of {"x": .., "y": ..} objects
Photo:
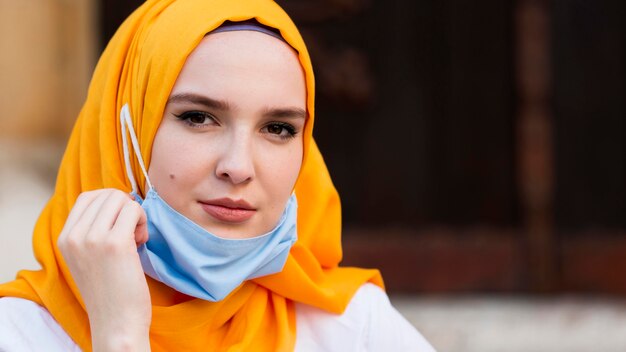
[{"x": 235, "y": 165}]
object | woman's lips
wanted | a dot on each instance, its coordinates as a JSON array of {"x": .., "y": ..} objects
[{"x": 228, "y": 210}]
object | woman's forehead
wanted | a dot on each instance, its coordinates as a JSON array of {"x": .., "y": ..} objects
[
  {"x": 229, "y": 65},
  {"x": 245, "y": 51},
  {"x": 248, "y": 40}
]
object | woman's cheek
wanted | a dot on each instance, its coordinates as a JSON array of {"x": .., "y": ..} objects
[{"x": 284, "y": 165}]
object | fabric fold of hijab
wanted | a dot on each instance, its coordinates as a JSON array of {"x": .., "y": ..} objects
[{"x": 139, "y": 67}]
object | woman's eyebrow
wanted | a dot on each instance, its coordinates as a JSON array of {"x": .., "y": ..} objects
[
  {"x": 200, "y": 100},
  {"x": 289, "y": 112},
  {"x": 193, "y": 98}
]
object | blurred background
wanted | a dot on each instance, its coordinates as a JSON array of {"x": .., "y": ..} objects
[{"x": 478, "y": 146}]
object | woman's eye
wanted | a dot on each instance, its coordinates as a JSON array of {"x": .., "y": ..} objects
[
  {"x": 281, "y": 129},
  {"x": 196, "y": 118}
]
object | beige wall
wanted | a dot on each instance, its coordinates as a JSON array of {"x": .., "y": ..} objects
[{"x": 47, "y": 54}]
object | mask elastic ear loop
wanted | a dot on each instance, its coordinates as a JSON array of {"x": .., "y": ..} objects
[{"x": 125, "y": 120}]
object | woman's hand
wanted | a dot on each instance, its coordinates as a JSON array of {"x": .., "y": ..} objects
[{"x": 99, "y": 244}]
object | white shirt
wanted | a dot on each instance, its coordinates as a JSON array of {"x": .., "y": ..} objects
[{"x": 369, "y": 323}]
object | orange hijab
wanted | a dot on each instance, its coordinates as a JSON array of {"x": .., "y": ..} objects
[{"x": 140, "y": 66}]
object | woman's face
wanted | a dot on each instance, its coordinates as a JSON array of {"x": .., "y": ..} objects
[{"x": 229, "y": 147}]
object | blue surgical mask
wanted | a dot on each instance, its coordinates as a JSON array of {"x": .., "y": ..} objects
[{"x": 188, "y": 258}]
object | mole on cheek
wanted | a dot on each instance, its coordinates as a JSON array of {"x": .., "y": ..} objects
[{"x": 172, "y": 176}]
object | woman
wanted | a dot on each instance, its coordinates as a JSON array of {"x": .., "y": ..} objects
[{"x": 211, "y": 104}]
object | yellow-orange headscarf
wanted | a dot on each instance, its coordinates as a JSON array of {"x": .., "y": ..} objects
[{"x": 139, "y": 67}]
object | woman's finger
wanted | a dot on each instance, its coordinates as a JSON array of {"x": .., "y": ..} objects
[
  {"x": 82, "y": 203},
  {"x": 83, "y": 226},
  {"x": 109, "y": 211},
  {"x": 132, "y": 219}
]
